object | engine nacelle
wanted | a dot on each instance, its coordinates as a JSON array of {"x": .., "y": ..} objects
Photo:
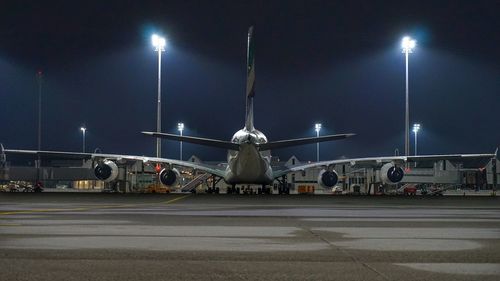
[
  {"x": 169, "y": 177},
  {"x": 106, "y": 171},
  {"x": 391, "y": 174},
  {"x": 328, "y": 179}
]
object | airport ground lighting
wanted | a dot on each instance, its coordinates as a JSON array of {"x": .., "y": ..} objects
[
  {"x": 180, "y": 127},
  {"x": 407, "y": 46},
  {"x": 416, "y": 128},
  {"x": 84, "y": 130},
  {"x": 317, "y": 128},
  {"x": 159, "y": 44}
]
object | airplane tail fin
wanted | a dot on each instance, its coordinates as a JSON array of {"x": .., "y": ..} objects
[
  {"x": 195, "y": 140},
  {"x": 250, "y": 93},
  {"x": 302, "y": 141}
]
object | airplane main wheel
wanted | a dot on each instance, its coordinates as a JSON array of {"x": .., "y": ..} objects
[{"x": 264, "y": 189}]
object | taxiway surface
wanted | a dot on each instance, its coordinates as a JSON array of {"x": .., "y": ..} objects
[{"x": 75, "y": 236}]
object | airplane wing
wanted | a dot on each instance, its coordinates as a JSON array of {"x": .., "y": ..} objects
[
  {"x": 218, "y": 170},
  {"x": 379, "y": 161}
]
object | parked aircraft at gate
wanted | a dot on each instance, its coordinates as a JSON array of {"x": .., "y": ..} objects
[{"x": 249, "y": 153}]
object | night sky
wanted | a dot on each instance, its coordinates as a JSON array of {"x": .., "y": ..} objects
[{"x": 334, "y": 62}]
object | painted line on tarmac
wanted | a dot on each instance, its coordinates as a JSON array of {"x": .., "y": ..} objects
[
  {"x": 175, "y": 199},
  {"x": 96, "y": 207}
]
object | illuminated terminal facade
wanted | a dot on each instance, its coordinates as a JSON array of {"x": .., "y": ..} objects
[{"x": 136, "y": 176}]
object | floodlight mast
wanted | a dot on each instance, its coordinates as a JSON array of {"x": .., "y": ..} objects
[
  {"x": 159, "y": 45},
  {"x": 83, "y": 129},
  {"x": 407, "y": 45},
  {"x": 38, "y": 162},
  {"x": 416, "y": 128},
  {"x": 317, "y": 128},
  {"x": 180, "y": 127},
  {"x": 39, "y": 76}
]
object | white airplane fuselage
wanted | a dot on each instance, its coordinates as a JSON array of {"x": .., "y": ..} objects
[{"x": 249, "y": 164}]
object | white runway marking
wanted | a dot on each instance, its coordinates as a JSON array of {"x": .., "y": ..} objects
[
  {"x": 399, "y": 220},
  {"x": 409, "y": 244},
  {"x": 48, "y": 222},
  {"x": 457, "y": 268},
  {"x": 154, "y": 230},
  {"x": 162, "y": 244},
  {"x": 415, "y": 233},
  {"x": 411, "y": 239}
]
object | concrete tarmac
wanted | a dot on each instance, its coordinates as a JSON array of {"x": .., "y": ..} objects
[{"x": 83, "y": 236}]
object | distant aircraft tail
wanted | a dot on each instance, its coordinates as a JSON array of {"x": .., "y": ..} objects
[{"x": 250, "y": 93}]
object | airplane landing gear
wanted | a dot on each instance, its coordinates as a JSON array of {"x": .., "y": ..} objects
[
  {"x": 266, "y": 190},
  {"x": 214, "y": 189},
  {"x": 284, "y": 188},
  {"x": 233, "y": 190}
]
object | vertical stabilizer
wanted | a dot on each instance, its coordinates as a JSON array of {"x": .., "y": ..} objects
[{"x": 250, "y": 81}]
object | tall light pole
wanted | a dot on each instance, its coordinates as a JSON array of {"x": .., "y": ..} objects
[
  {"x": 83, "y": 129},
  {"x": 180, "y": 127},
  {"x": 407, "y": 45},
  {"x": 159, "y": 44},
  {"x": 317, "y": 128},
  {"x": 39, "y": 80},
  {"x": 416, "y": 128}
]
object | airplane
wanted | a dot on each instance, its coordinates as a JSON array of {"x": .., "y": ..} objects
[{"x": 249, "y": 153}]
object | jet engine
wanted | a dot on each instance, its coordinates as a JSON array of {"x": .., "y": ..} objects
[
  {"x": 169, "y": 177},
  {"x": 106, "y": 171},
  {"x": 328, "y": 179},
  {"x": 391, "y": 174}
]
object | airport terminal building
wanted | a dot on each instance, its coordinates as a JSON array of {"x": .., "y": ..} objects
[{"x": 137, "y": 176}]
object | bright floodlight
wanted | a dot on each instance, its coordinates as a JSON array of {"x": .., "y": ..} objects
[
  {"x": 317, "y": 127},
  {"x": 158, "y": 42},
  {"x": 83, "y": 129},
  {"x": 407, "y": 44},
  {"x": 416, "y": 128},
  {"x": 180, "y": 127}
]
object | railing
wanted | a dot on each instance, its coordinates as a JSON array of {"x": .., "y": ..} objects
[{"x": 195, "y": 182}]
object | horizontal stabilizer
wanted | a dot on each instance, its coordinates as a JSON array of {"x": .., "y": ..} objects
[
  {"x": 196, "y": 140},
  {"x": 294, "y": 142}
]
